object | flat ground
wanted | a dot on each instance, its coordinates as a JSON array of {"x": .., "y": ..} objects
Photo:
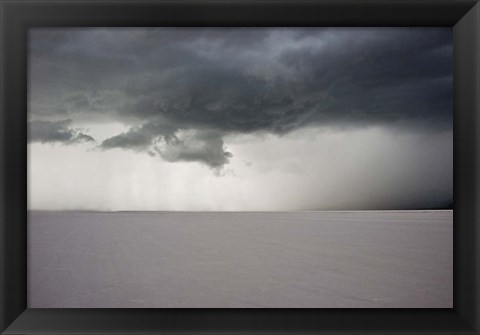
[{"x": 304, "y": 259}]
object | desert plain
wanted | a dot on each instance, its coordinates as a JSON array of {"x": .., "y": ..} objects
[{"x": 363, "y": 259}]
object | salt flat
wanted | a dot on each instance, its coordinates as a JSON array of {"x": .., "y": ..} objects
[{"x": 296, "y": 259}]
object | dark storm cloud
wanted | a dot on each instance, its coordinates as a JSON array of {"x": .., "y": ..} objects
[
  {"x": 222, "y": 81},
  {"x": 60, "y": 131},
  {"x": 201, "y": 146},
  {"x": 173, "y": 145}
]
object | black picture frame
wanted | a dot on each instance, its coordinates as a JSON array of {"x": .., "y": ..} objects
[{"x": 17, "y": 16}]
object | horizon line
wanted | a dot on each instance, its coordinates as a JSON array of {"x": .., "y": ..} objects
[{"x": 233, "y": 211}]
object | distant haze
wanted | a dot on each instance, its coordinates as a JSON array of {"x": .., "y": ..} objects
[{"x": 240, "y": 119}]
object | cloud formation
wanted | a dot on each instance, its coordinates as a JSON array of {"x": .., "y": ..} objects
[
  {"x": 181, "y": 90},
  {"x": 173, "y": 145},
  {"x": 59, "y": 131}
]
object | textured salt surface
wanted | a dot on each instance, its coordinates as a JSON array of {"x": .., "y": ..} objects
[{"x": 309, "y": 259}]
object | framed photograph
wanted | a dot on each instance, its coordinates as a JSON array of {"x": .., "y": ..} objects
[{"x": 240, "y": 167}]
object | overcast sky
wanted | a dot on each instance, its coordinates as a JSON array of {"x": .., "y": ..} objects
[{"x": 240, "y": 118}]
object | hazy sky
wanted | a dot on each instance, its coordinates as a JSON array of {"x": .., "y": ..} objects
[{"x": 240, "y": 118}]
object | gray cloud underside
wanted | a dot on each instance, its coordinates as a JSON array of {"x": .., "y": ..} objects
[
  {"x": 202, "y": 146},
  {"x": 214, "y": 82},
  {"x": 59, "y": 131}
]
